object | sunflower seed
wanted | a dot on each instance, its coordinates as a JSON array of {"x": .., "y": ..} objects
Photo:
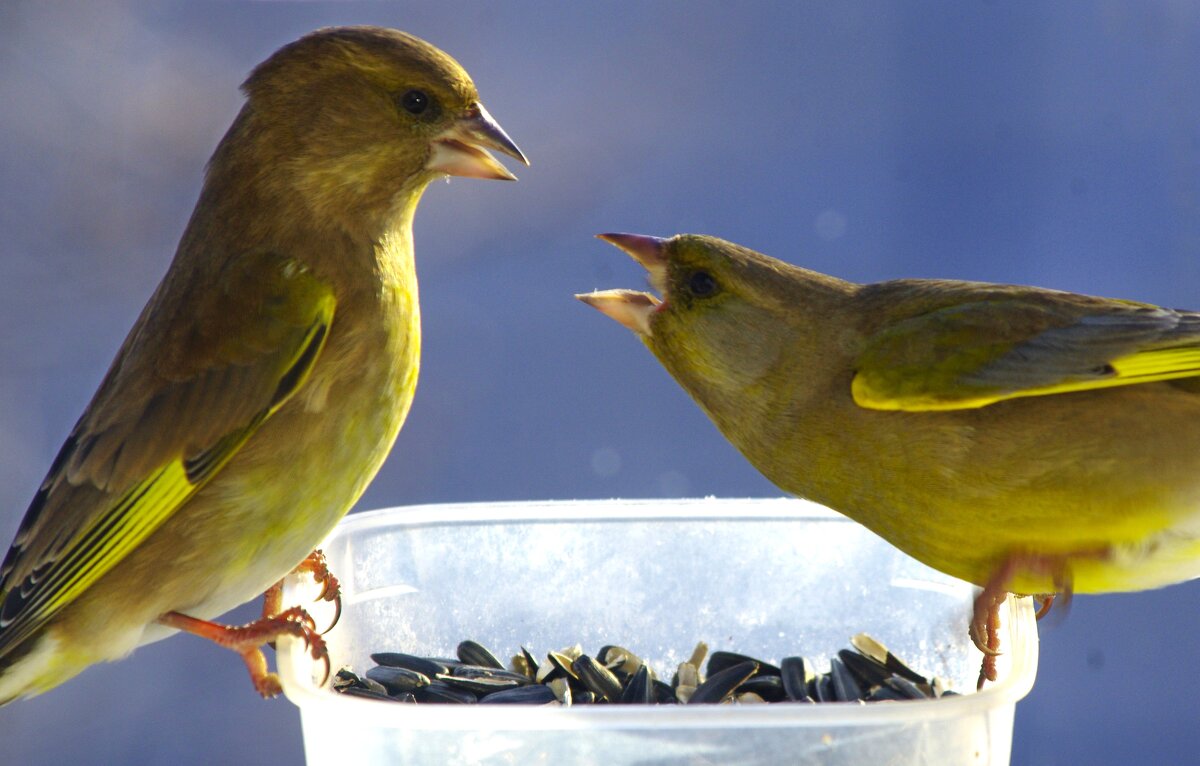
[
  {"x": 640, "y": 688},
  {"x": 906, "y": 687},
  {"x": 533, "y": 694},
  {"x": 598, "y": 678},
  {"x": 878, "y": 652},
  {"x": 845, "y": 687},
  {"x": 719, "y": 686},
  {"x": 439, "y": 691},
  {"x": 423, "y": 665},
  {"x": 868, "y": 671},
  {"x": 769, "y": 688},
  {"x": 397, "y": 680},
  {"x": 473, "y": 653},
  {"x": 797, "y": 676},
  {"x": 718, "y": 661}
]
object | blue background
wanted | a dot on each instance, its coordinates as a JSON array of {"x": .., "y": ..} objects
[{"x": 1054, "y": 144}]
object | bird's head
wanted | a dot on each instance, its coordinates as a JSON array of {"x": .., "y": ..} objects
[
  {"x": 363, "y": 118},
  {"x": 725, "y": 316}
]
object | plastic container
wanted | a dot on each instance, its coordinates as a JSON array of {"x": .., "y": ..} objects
[{"x": 768, "y": 578}]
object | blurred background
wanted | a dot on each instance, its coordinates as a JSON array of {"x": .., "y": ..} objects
[{"x": 1013, "y": 142}]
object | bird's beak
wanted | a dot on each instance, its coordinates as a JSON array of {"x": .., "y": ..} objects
[
  {"x": 649, "y": 251},
  {"x": 462, "y": 149},
  {"x": 629, "y": 307}
]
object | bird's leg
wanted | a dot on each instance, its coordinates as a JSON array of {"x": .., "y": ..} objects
[
  {"x": 276, "y": 621},
  {"x": 248, "y": 639},
  {"x": 985, "y": 621},
  {"x": 331, "y": 590}
]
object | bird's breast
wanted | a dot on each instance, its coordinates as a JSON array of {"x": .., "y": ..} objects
[
  {"x": 359, "y": 393},
  {"x": 310, "y": 462}
]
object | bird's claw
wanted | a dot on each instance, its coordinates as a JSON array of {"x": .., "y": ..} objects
[
  {"x": 985, "y": 622},
  {"x": 300, "y": 624},
  {"x": 268, "y": 686},
  {"x": 296, "y": 622},
  {"x": 331, "y": 589},
  {"x": 1045, "y": 602}
]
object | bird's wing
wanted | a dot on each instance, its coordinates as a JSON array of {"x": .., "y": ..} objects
[
  {"x": 204, "y": 367},
  {"x": 974, "y": 354}
]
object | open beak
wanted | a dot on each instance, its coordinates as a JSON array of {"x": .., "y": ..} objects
[
  {"x": 631, "y": 308},
  {"x": 462, "y": 149}
]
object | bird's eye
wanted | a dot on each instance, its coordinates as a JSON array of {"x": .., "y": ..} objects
[
  {"x": 701, "y": 284},
  {"x": 415, "y": 101}
]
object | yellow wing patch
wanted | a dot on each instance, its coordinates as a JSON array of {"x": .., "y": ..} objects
[
  {"x": 1158, "y": 364},
  {"x": 111, "y": 540},
  {"x": 1141, "y": 367}
]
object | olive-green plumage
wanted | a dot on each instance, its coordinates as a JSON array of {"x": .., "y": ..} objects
[
  {"x": 268, "y": 376},
  {"x": 975, "y": 426}
]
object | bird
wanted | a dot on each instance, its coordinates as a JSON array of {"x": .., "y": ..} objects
[
  {"x": 265, "y": 381},
  {"x": 1023, "y": 439}
]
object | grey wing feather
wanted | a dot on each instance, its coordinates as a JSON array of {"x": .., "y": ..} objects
[{"x": 1084, "y": 350}]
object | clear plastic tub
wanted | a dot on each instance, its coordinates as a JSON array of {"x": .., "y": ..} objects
[{"x": 768, "y": 578}]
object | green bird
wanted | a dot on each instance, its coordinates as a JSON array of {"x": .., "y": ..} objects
[
  {"x": 268, "y": 376},
  {"x": 1022, "y": 439}
]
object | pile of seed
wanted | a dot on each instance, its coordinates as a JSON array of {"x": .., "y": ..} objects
[{"x": 868, "y": 673}]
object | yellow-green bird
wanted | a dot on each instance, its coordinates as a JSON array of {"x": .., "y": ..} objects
[
  {"x": 268, "y": 376},
  {"x": 1022, "y": 439}
]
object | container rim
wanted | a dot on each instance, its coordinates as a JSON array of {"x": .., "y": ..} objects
[
  {"x": 295, "y": 667},
  {"x": 619, "y": 509}
]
